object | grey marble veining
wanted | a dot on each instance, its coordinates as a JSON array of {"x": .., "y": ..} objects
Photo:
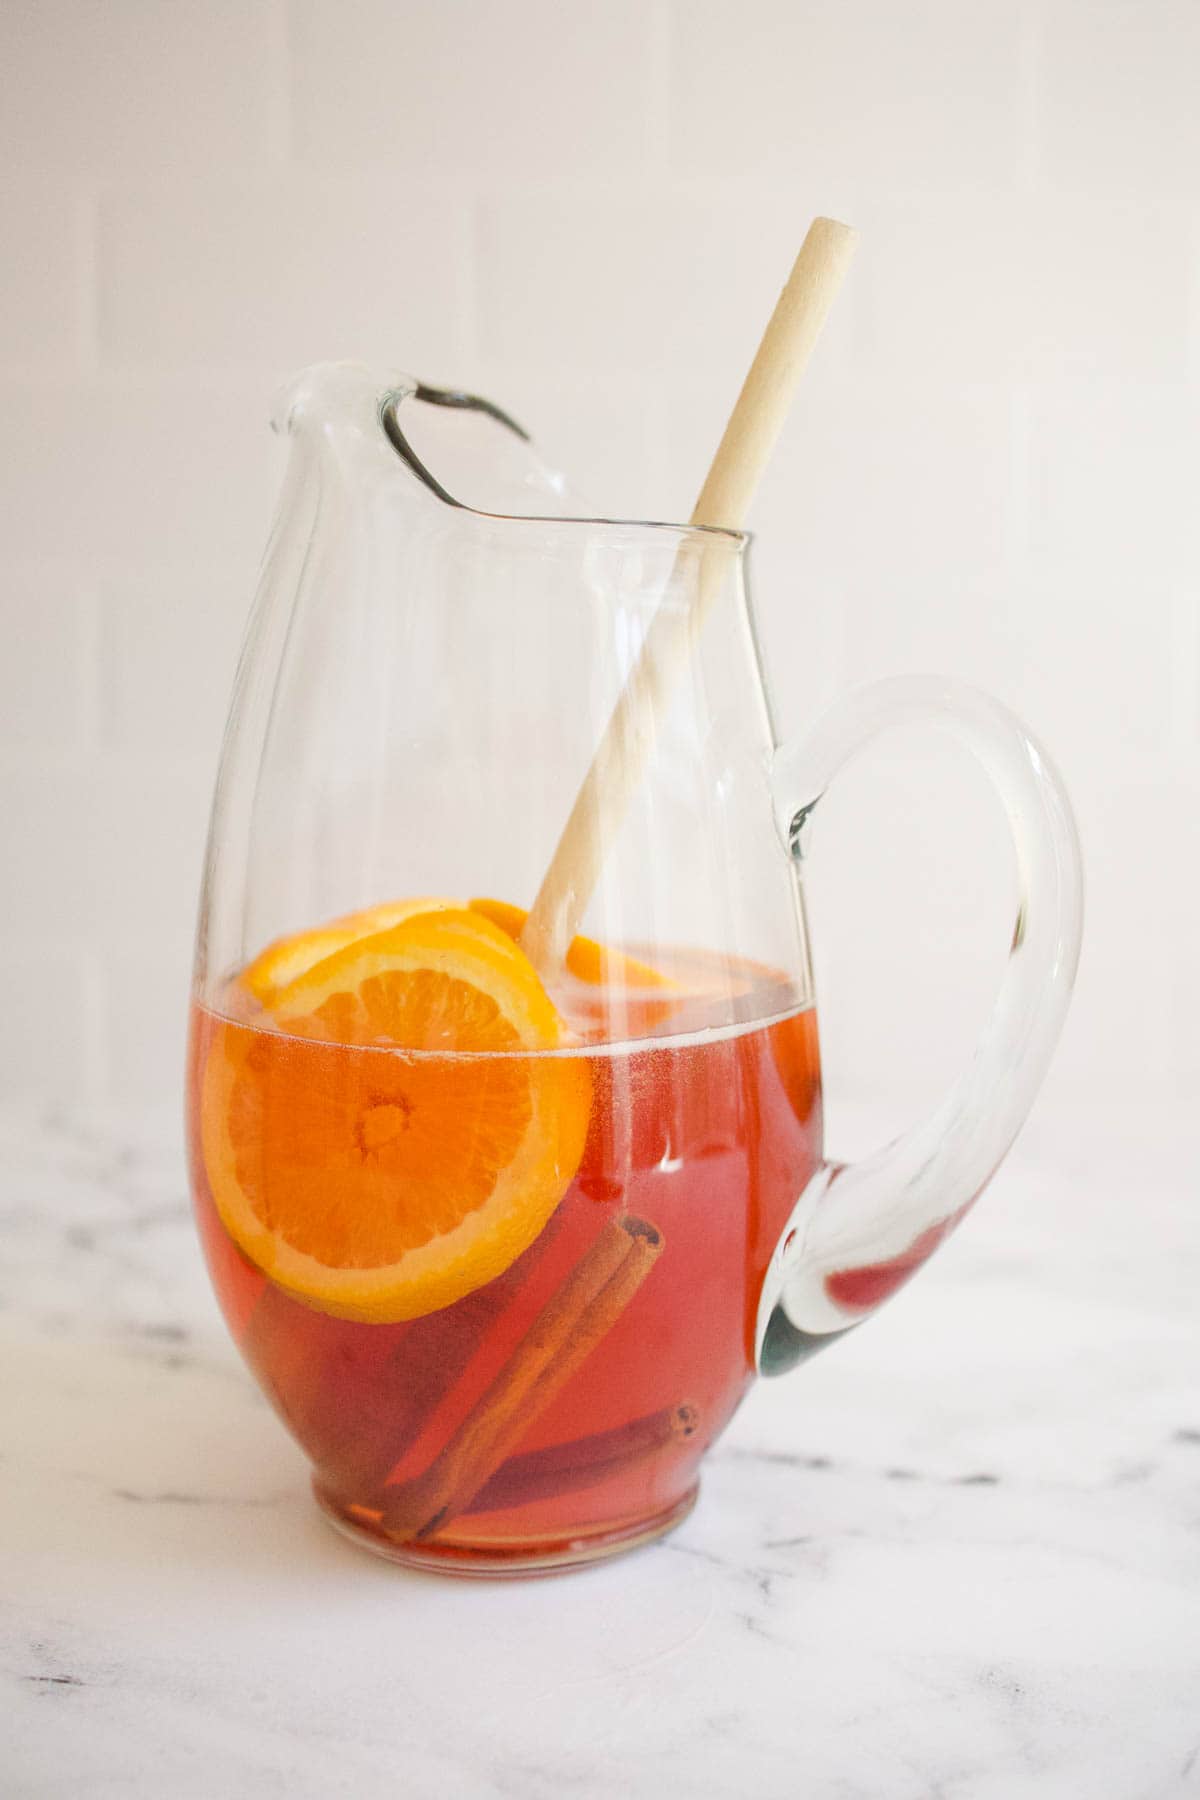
[{"x": 957, "y": 1557}]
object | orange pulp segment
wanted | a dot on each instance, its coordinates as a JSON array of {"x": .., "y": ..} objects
[{"x": 398, "y": 1142}]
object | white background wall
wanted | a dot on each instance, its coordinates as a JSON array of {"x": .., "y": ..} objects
[{"x": 585, "y": 211}]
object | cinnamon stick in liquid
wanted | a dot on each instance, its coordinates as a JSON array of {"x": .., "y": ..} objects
[
  {"x": 565, "y": 1332},
  {"x": 586, "y": 1461},
  {"x": 353, "y": 1410}
]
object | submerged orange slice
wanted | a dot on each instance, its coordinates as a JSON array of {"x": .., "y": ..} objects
[
  {"x": 392, "y": 1146},
  {"x": 289, "y": 957}
]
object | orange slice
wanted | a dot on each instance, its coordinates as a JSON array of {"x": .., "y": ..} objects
[
  {"x": 587, "y": 960},
  {"x": 390, "y": 1147},
  {"x": 289, "y": 957}
]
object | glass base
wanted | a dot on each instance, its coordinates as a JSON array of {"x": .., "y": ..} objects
[{"x": 549, "y": 1556}]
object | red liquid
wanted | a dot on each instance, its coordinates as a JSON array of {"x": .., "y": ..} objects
[{"x": 711, "y": 1142}]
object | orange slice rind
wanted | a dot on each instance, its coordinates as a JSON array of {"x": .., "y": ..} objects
[{"x": 289, "y": 957}]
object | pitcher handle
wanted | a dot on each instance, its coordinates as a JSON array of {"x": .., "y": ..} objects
[{"x": 860, "y": 1230}]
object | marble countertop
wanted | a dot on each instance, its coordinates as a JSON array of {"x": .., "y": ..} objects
[{"x": 959, "y": 1556}]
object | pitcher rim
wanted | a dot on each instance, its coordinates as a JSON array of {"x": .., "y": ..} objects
[
  {"x": 370, "y": 398},
  {"x": 388, "y": 402}
]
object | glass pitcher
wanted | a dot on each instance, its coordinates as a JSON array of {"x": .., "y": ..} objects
[{"x": 505, "y": 1222}]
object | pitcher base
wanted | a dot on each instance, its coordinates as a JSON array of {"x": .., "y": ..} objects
[{"x": 548, "y": 1556}]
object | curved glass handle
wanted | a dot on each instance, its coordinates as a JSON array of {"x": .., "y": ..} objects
[{"x": 860, "y": 1230}]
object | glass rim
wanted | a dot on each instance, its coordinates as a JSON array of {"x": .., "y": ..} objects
[
  {"x": 388, "y": 404},
  {"x": 680, "y": 528}
]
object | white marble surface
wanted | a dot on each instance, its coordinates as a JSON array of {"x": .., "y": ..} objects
[{"x": 959, "y": 1556}]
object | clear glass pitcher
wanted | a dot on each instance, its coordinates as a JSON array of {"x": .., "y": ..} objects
[{"x": 506, "y": 1220}]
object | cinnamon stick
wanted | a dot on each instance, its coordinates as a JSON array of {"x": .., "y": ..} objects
[
  {"x": 356, "y": 1396},
  {"x": 585, "y": 1462},
  {"x": 566, "y": 1331}
]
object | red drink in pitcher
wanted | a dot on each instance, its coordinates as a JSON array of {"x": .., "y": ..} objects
[{"x": 504, "y": 1297}]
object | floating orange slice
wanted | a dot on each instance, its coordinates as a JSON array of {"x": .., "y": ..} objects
[
  {"x": 587, "y": 960},
  {"x": 395, "y": 1144},
  {"x": 289, "y": 957}
]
